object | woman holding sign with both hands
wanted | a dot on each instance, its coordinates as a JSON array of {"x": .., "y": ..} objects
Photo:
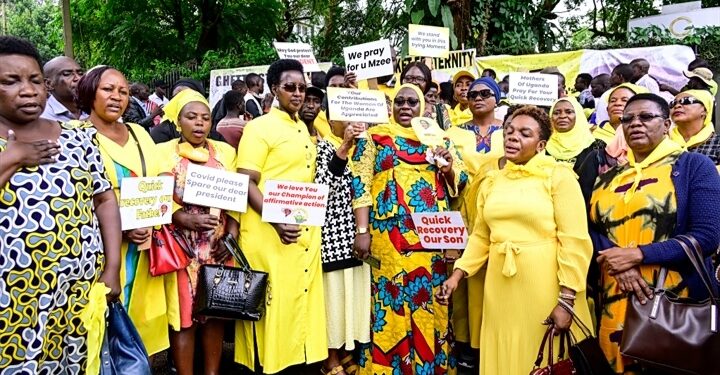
[
  {"x": 103, "y": 92},
  {"x": 201, "y": 229},
  {"x": 393, "y": 179},
  {"x": 277, "y": 146}
]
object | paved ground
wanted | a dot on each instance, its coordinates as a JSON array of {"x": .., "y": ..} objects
[{"x": 229, "y": 367}]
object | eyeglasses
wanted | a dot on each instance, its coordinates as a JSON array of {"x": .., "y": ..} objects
[
  {"x": 472, "y": 95},
  {"x": 292, "y": 87},
  {"x": 399, "y": 102},
  {"x": 687, "y": 100},
  {"x": 414, "y": 79},
  {"x": 643, "y": 117}
]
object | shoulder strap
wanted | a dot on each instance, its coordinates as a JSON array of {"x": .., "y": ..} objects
[
  {"x": 137, "y": 143},
  {"x": 696, "y": 259}
]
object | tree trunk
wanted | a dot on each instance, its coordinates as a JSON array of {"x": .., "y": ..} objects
[{"x": 210, "y": 17}]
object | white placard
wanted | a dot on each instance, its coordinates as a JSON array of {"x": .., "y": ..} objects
[
  {"x": 294, "y": 203},
  {"x": 145, "y": 201},
  {"x": 428, "y": 41},
  {"x": 210, "y": 187},
  {"x": 302, "y": 52},
  {"x": 533, "y": 88},
  {"x": 357, "y": 105},
  {"x": 369, "y": 60},
  {"x": 440, "y": 230}
]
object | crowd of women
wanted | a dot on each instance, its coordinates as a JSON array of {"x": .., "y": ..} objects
[{"x": 564, "y": 224}]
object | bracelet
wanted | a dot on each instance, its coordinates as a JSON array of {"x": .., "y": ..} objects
[
  {"x": 567, "y": 296},
  {"x": 566, "y": 306}
]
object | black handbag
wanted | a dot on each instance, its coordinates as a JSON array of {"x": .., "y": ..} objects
[
  {"x": 586, "y": 354},
  {"x": 675, "y": 334},
  {"x": 123, "y": 352},
  {"x": 231, "y": 292}
]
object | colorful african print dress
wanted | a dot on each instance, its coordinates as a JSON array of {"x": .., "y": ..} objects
[
  {"x": 411, "y": 333},
  {"x": 648, "y": 217},
  {"x": 221, "y": 156},
  {"x": 51, "y": 253}
]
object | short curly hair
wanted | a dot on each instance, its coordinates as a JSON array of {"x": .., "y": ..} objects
[
  {"x": 277, "y": 68},
  {"x": 332, "y": 72},
  {"x": 12, "y": 45},
  {"x": 539, "y": 116}
]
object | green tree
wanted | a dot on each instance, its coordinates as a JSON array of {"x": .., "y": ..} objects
[{"x": 39, "y": 21}]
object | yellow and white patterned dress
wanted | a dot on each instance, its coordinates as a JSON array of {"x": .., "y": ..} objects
[{"x": 51, "y": 253}]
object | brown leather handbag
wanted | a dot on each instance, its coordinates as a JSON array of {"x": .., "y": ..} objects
[
  {"x": 675, "y": 334},
  {"x": 562, "y": 366}
]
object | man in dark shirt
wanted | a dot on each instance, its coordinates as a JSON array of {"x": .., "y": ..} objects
[{"x": 253, "y": 98}]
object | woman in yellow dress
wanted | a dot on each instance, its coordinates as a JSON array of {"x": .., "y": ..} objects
[
  {"x": 638, "y": 208},
  {"x": 536, "y": 264},
  {"x": 201, "y": 229},
  {"x": 392, "y": 179},
  {"x": 277, "y": 146},
  {"x": 127, "y": 151}
]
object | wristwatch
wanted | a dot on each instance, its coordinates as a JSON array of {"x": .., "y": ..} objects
[{"x": 361, "y": 230}]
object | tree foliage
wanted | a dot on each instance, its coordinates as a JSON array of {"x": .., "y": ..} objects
[
  {"x": 149, "y": 38},
  {"x": 39, "y": 21}
]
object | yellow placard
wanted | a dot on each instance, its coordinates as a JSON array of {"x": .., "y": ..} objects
[
  {"x": 428, "y": 41},
  {"x": 428, "y": 131}
]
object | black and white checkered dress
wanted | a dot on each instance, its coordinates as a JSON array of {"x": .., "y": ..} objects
[{"x": 338, "y": 233}]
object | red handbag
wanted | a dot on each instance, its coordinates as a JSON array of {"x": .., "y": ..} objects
[
  {"x": 169, "y": 251},
  {"x": 562, "y": 366}
]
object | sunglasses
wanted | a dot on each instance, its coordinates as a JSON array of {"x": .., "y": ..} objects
[
  {"x": 292, "y": 87},
  {"x": 643, "y": 117},
  {"x": 399, "y": 102},
  {"x": 472, "y": 95},
  {"x": 684, "y": 101}
]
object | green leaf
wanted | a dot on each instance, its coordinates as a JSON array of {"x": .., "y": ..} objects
[
  {"x": 450, "y": 24},
  {"x": 417, "y": 16},
  {"x": 433, "y": 5},
  {"x": 409, "y": 4}
]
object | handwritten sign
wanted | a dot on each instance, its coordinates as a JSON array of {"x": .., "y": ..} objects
[
  {"x": 357, "y": 105},
  {"x": 369, "y": 60},
  {"x": 533, "y": 88},
  {"x": 294, "y": 203},
  {"x": 428, "y": 41},
  {"x": 441, "y": 230},
  {"x": 210, "y": 187},
  {"x": 145, "y": 201},
  {"x": 302, "y": 52}
]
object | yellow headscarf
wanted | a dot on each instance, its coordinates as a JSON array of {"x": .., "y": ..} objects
[
  {"x": 394, "y": 125},
  {"x": 707, "y": 130},
  {"x": 176, "y": 104},
  {"x": 419, "y": 93},
  {"x": 615, "y": 140},
  {"x": 564, "y": 146}
]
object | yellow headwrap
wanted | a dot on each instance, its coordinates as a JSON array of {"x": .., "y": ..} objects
[
  {"x": 419, "y": 93},
  {"x": 564, "y": 146},
  {"x": 394, "y": 125},
  {"x": 707, "y": 130},
  {"x": 176, "y": 104},
  {"x": 616, "y": 144}
]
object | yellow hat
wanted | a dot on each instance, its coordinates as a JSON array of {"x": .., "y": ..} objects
[{"x": 462, "y": 73}]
